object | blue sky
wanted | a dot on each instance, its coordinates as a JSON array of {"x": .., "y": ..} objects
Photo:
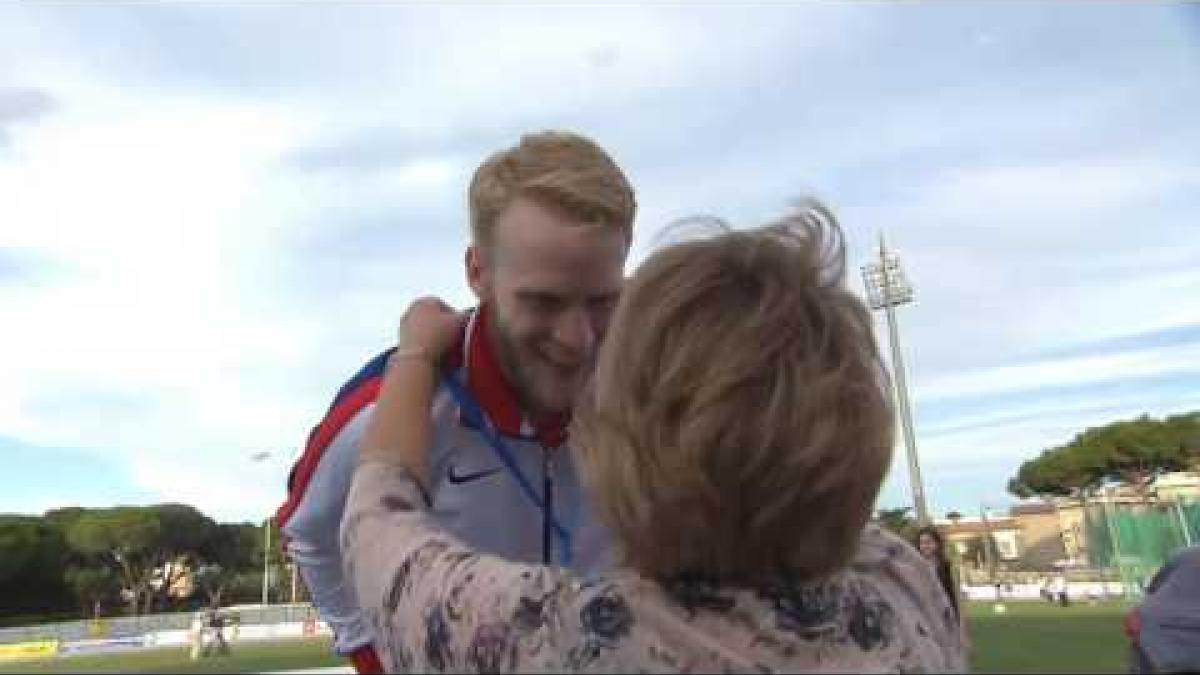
[{"x": 210, "y": 216}]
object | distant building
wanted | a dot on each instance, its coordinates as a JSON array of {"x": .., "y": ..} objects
[
  {"x": 1050, "y": 537},
  {"x": 1043, "y": 536},
  {"x": 1178, "y": 485},
  {"x": 966, "y": 538}
]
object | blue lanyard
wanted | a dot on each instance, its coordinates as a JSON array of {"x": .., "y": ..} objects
[{"x": 475, "y": 417}]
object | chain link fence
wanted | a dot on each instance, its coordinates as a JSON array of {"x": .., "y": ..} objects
[{"x": 1136, "y": 539}]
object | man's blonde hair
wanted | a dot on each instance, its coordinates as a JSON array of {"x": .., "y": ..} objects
[
  {"x": 740, "y": 423},
  {"x": 559, "y": 169}
]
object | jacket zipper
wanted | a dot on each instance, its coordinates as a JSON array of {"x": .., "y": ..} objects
[{"x": 548, "y": 511}]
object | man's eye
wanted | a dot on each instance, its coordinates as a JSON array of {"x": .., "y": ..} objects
[
  {"x": 602, "y": 304},
  {"x": 544, "y": 303}
]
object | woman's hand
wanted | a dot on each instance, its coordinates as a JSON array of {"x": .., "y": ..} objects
[
  {"x": 400, "y": 430},
  {"x": 429, "y": 327}
]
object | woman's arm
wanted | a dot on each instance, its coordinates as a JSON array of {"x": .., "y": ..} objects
[
  {"x": 400, "y": 429},
  {"x": 435, "y": 605},
  {"x": 431, "y": 602}
]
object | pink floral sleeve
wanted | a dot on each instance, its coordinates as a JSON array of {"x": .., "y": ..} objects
[{"x": 434, "y": 605}]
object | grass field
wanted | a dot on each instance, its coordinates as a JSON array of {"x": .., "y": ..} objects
[
  {"x": 1029, "y": 638},
  {"x": 1037, "y": 637},
  {"x": 247, "y": 657}
]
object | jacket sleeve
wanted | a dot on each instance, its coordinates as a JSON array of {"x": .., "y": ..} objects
[{"x": 309, "y": 523}]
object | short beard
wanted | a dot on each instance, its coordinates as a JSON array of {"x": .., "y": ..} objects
[{"x": 509, "y": 360}]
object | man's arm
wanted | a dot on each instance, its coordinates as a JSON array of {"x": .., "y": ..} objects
[{"x": 310, "y": 520}]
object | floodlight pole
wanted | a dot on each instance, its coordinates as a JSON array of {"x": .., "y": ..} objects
[
  {"x": 887, "y": 288},
  {"x": 258, "y": 457}
]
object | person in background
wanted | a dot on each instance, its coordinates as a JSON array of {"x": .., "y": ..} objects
[
  {"x": 1058, "y": 590},
  {"x": 734, "y": 440},
  {"x": 196, "y": 635},
  {"x": 932, "y": 546},
  {"x": 551, "y": 225}
]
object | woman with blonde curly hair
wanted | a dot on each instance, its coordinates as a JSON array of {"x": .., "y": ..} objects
[{"x": 733, "y": 440}]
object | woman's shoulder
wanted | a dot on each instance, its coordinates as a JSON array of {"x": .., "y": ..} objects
[
  {"x": 892, "y": 565},
  {"x": 891, "y": 571},
  {"x": 884, "y": 555},
  {"x": 879, "y": 546}
]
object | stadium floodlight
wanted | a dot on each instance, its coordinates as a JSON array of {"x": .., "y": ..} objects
[
  {"x": 259, "y": 457},
  {"x": 886, "y": 289}
]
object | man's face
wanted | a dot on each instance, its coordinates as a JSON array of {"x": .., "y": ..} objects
[{"x": 550, "y": 283}]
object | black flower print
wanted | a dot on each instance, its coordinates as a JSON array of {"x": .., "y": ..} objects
[
  {"x": 393, "y": 503},
  {"x": 437, "y": 639},
  {"x": 529, "y": 615},
  {"x": 534, "y": 611},
  {"x": 696, "y": 592},
  {"x": 427, "y": 555},
  {"x": 398, "y": 586},
  {"x": 869, "y": 623},
  {"x": 491, "y": 650},
  {"x": 606, "y": 618},
  {"x": 454, "y": 604},
  {"x": 810, "y": 611}
]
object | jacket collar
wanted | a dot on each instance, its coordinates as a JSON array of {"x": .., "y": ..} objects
[{"x": 496, "y": 396}]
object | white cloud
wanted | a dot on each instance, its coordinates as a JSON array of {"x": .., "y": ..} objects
[
  {"x": 1064, "y": 372},
  {"x": 211, "y": 296}
]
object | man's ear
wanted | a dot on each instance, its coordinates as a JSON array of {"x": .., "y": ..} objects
[{"x": 474, "y": 263}]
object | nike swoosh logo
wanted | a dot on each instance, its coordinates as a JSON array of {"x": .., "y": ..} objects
[{"x": 460, "y": 478}]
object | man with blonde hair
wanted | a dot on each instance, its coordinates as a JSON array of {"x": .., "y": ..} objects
[
  {"x": 551, "y": 225},
  {"x": 734, "y": 439}
]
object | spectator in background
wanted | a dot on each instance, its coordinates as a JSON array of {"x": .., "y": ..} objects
[
  {"x": 1058, "y": 590},
  {"x": 932, "y": 546},
  {"x": 196, "y": 635},
  {"x": 734, "y": 440},
  {"x": 215, "y": 622}
]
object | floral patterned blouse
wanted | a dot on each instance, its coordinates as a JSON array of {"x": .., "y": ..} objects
[{"x": 435, "y": 605}]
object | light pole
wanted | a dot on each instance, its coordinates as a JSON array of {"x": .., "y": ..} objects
[
  {"x": 887, "y": 288},
  {"x": 266, "y": 560},
  {"x": 990, "y": 545},
  {"x": 259, "y": 457},
  {"x": 991, "y": 550}
]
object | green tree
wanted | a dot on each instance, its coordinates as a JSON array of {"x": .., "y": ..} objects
[
  {"x": 1131, "y": 451},
  {"x": 228, "y": 554},
  {"x": 95, "y": 585},
  {"x": 149, "y": 548},
  {"x": 62, "y": 519},
  {"x": 33, "y": 557},
  {"x": 899, "y": 521},
  {"x": 186, "y": 537},
  {"x": 123, "y": 538}
]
